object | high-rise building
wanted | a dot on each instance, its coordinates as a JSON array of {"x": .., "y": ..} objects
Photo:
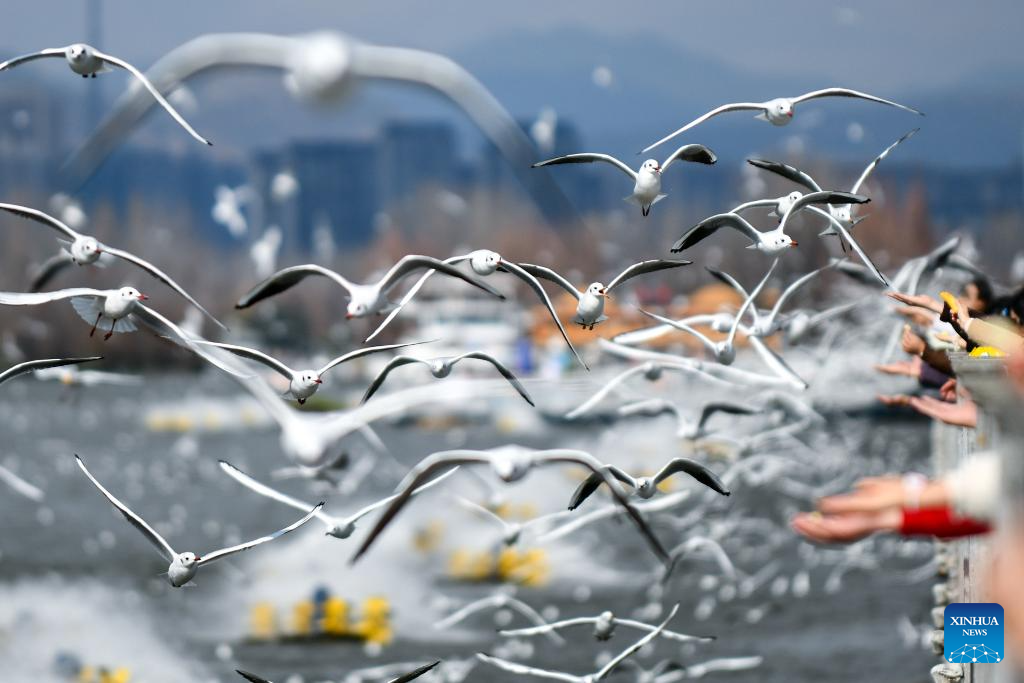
[{"x": 415, "y": 153}]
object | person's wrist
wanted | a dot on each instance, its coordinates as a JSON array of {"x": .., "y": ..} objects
[
  {"x": 913, "y": 484},
  {"x": 890, "y": 519}
]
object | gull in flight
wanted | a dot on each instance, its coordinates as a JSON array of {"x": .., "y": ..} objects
[
  {"x": 183, "y": 566},
  {"x": 765, "y": 325},
  {"x": 687, "y": 428},
  {"x": 403, "y": 678},
  {"x": 723, "y": 352},
  {"x": 84, "y": 250},
  {"x": 841, "y": 212},
  {"x": 116, "y": 311},
  {"x": 650, "y": 370},
  {"x": 71, "y": 376},
  {"x": 668, "y": 671},
  {"x": 338, "y": 527},
  {"x": 87, "y": 61},
  {"x": 666, "y": 502},
  {"x": 36, "y": 365},
  {"x": 647, "y": 181},
  {"x": 647, "y": 487},
  {"x": 496, "y": 601},
  {"x": 485, "y": 262},
  {"x": 510, "y": 464},
  {"x": 511, "y": 532},
  {"x": 697, "y": 545},
  {"x": 515, "y": 668},
  {"x": 387, "y": 672},
  {"x": 604, "y": 628},
  {"x": 441, "y": 367},
  {"x": 302, "y": 384},
  {"x": 590, "y": 302},
  {"x": 19, "y": 485},
  {"x": 364, "y": 299},
  {"x": 778, "y": 112},
  {"x": 769, "y": 241}
]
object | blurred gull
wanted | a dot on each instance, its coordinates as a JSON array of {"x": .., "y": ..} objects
[
  {"x": 647, "y": 181},
  {"x": 441, "y": 367},
  {"x": 496, "y": 601},
  {"x": 666, "y": 502},
  {"x": 20, "y": 486},
  {"x": 402, "y": 678},
  {"x": 779, "y": 111},
  {"x": 87, "y": 61},
  {"x": 263, "y": 252},
  {"x": 604, "y": 628},
  {"x": 185, "y": 565},
  {"x": 42, "y": 364},
  {"x": 647, "y": 487},
  {"x": 511, "y": 532},
  {"x": 82, "y": 250},
  {"x": 687, "y": 428},
  {"x": 650, "y": 370}
]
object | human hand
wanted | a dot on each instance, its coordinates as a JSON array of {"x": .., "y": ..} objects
[
  {"x": 844, "y": 528},
  {"x": 912, "y": 342}
]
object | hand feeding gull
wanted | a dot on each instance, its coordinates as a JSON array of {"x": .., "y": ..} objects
[
  {"x": 590, "y": 303},
  {"x": 485, "y": 262},
  {"x": 85, "y": 250},
  {"x": 364, "y": 299},
  {"x": 441, "y": 367},
  {"x": 647, "y": 181},
  {"x": 779, "y": 111},
  {"x": 183, "y": 566},
  {"x": 87, "y": 61},
  {"x": 302, "y": 384}
]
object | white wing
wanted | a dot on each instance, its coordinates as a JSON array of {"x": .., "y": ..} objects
[
  {"x": 846, "y": 92},
  {"x": 470, "y": 609},
  {"x": 777, "y": 364},
  {"x": 36, "y": 298},
  {"x": 668, "y": 635},
  {"x": 524, "y": 670},
  {"x": 736, "y": 106},
  {"x": 408, "y": 296},
  {"x": 871, "y": 167},
  {"x": 258, "y": 356},
  {"x": 610, "y": 386},
  {"x": 224, "y": 552},
  {"x": 381, "y": 503},
  {"x": 264, "y": 490},
  {"x": 546, "y": 628},
  {"x": 702, "y": 338},
  {"x": 21, "y": 486},
  {"x": 588, "y": 158},
  {"x": 48, "y": 52},
  {"x": 632, "y": 649},
  {"x": 152, "y": 536},
  {"x": 40, "y": 217},
  {"x": 29, "y": 366}
]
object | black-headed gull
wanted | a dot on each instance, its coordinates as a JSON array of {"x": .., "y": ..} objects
[
  {"x": 769, "y": 241},
  {"x": 403, "y": 678},
  {"x": 600, "y": 675},
  {"x": 779, "y": 111},
  {"x": 647, "y": 180},
  {"x": 441, "y": 367},
  {"x": 496, "y": 601},
  {"x": 19, "y": 485},
  {"x": 185, "y": 565},
  {"x": 724, "y": 351},
  {"x": 338, "y": 527},
  {"x": 509, "y": 463},
  {"x": 511, "y": 532},
  {"x": 590, "y": 302},
  {"x": 364, "y": 299},
  {"x": 485, "y": 262},
  {"x": 86, "y": 250},
  {"x": 42, "y": 364},
  {"x": 604, "y": 628},
  {"x": 578, "y": 521},
  {"x": 302, "y": 384},
  {"x": 687, "y": 428},
  {"x": 647, "y": 487},
  {"x": 87, "y": 61}
]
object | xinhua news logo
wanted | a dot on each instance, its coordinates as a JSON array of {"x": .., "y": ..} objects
[{"x": 973, "y": 633}]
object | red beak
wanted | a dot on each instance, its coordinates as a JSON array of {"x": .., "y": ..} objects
[
  {"x": 792, "y": 244},
  {"x": 318, "y": 381},
  {"x": 142, "y": 297},
  {"x": 790, "y": 114},
  {"x": 349, "y": 316}
]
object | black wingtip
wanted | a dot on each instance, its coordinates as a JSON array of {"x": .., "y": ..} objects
[{"x": 209, "y": 144}]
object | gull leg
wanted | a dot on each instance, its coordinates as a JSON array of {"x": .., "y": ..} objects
[
  {"x": 108, "y": 335},
  {"x": 95, "y": 324}
]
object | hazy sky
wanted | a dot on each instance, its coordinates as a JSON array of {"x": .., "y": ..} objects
[{"x": 902, "y": 43}]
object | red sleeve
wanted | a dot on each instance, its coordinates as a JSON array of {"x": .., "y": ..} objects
[{"x": 941, "y": 522}]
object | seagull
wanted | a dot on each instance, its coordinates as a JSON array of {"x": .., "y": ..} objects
[
  {"x": 700, "y": 544},
  {"x": 19, "y": 485},
  {"x": 778, "y": 207},
  {"x": 185, "y": 565},
  {"x": 647, "y": 334},
  {"x": 36, "y": 365},
  {"x": 85, "y": 250},
  {"x": 364, "y": 299},
  {"x": 302, "y": 384},
  {"x": 666, "y": 502},
  {"x": 510, "y": 463},
  {"x": 511, "y": 532},
  {"x": 769, "y": 241},
  {"x": 515, "y": 668},
  {"x": 841, "y": 212},
  {"x": 388, "y": 672},
  {"x": 779, "y": 111},
  {"x": 496, "y": 601},
  {"x": 687, "y": 428},
  {"x": 71, "y": 376},
  {"x": 441, "y": 367},
  {"x": 113, "y": 310},
  {"x": 647, "y": 181},
  {"x": 604, "y": 628},
  {"x": 338, "y": 527},
  {"x": 404, "y": 678},
  {"x": 647, "y": 487},
  {"x": 87, "y": 61},
  {"x": 651, "y": 371},
  {"x": 485, "y": 262},
  {"x": 590, "y": 306},
  {"x": 724, "y": 352},
  {"x": 767, "y": 325},
  {"x": 701, "y": 669}
]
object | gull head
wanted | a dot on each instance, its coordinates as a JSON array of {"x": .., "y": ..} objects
[
  {"x": 778, "y": 242},
  {"x": 652, "y": 370},
  {"x": 440, "y": 368},
  {"x": 786, "y": 203},
  {"x": 645, "y": 487},
  {"x": 85, "y": 250},
  {"x": 604, "y": 627},
  {"x": 511, "y": 465},
  {"x": 597, "y": 289},
  {"x": 779, "y": 111},
  {"x": 306, "y": 383},
  {"x": 484, "y": 261},
  {"x": 356, "y": 309},
  {"x": 130, "y": 294},
  {"x": 843, "y": 214},
  {"x": 79, "y": 52},
  {"x": 320, "y": 68},
  {"x": 187, "y": 560},
  {"x": 651, "y": 166}
]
